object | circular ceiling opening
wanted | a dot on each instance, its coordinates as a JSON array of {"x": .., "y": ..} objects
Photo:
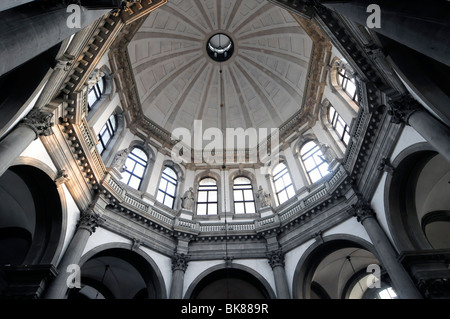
[{"x": 220, "y": 47}]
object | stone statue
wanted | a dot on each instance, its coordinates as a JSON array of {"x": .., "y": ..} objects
[
  {"x": 188, "y": 199},
  {"x": 120, "y": 159},
  {"x": 263, "y": 197}
]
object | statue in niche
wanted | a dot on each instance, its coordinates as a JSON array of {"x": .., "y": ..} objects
[
  {"x": 327, "y": 153},
  {"x": 120, "y": 159},
  {"x": 263, "y": 197},
  {"x": 187, "y": 201},
  {"x": 95, "y": 77}
]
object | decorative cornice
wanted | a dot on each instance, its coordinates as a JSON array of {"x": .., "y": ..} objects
[
  {"x": 276, "y": 258},
  {"x": 40, "y": 122},
  {"x": 180, "y": 262}
]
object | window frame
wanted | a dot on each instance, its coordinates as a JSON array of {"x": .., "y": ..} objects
[
  {"x": 279, "y": 176},
  {"x": 309, "y": 154},
  {"x": 244, "y": 201},
  {"x": 337, "y": 118},
  {"x": 202, "y": 188},
  {"x": 171, "y": 180},
  {"x": 111, "y": 129},
  {"x": 343, "y": 78},
  {"x": 98, "y": 92},
  {"x": 132, "y": 174}
]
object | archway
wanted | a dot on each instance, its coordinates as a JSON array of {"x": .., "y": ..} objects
[
  {"x": 417, "y": 201},
  {"x": 339, "y": 268},
  {"x": 235, "y": 282},
  {"x": 118, "y": 273},
  {"x": 31, "y": 217}
]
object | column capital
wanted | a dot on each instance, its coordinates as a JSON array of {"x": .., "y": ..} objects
[
  {"x": 180, "y": 262},
  {"x": 362, "y": 210},
  {"x": 89, "y": 220},
  {"x": 276, "y": 258},
  {"x": 402, "y": 108},
  {"x": 40, "y": 122}
]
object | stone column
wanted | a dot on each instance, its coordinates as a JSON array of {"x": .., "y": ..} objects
[
  {"x": 87, "y": 224},
  {"x": 179, "y": 266},
  {"x": 35, "y": 124},
  {"x": 34, "y": 28},
  {"x": 402, "y": 282},
  {"x": 407, "y": 110},
  {"x": 276, "y": 261},
  {"x": 420, "y": 27}
]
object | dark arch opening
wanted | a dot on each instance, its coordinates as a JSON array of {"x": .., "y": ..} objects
[{"x": 230, "y": 284}]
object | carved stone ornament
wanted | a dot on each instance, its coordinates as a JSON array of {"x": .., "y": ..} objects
[
  {"x": 188, "y": 199},
  {"x": 180, "y": 262},
  {"x": 402, "y": 109},
  {"x": 89, "y": 220},
  {"x": 40, "y": 122},
  {"x": 120, "y": 159},
  {"x": 276, "y": 258},
  {"x": 136, "y": 244},
  {"x": 362, "y": 210},
  {"x": 263, "y": 197}
]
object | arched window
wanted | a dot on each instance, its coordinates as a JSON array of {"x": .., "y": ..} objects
[
  {"x": 347, "y": 81},
  {"x": 282, "y": 180},
  {"x": 207, "y": 197},
  {"x": 95, "y": 92},
  {"x": 167, "y": 187},
  {"x": 315, "y": 164},
  {"x": 244, "y": 200},
  {"x": 135, "y": 167},
  {"x": 339, "y": 125},
  {"x": 106, "y": 134}
]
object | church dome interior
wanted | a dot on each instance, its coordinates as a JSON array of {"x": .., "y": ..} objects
[{"x": 229, "y": 149}]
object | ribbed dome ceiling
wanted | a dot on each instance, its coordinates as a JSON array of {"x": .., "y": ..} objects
[{"x": 261, "y": 86}]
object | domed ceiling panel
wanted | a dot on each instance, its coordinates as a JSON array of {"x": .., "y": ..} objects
[{"x": 261, "y": 85}]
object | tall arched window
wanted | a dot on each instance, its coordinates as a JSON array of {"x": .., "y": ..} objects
[
  {"x": 315, "y": 164},
  {"x": 207, "y": 197},
  {"x": 167, "y": 187},
  {"x": 95, "y": 92},
  {"x": 347, "y": 81},
  {"x": 282, "y": 180},
  {"x": 339, "y": 125},
  {"x": 106, "y": 134},
  {"x": 244, "y": 199},
  {"x": 135, "y": 167}
]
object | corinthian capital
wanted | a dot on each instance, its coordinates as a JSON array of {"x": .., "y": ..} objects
[
  {"x": 276, "y": 258},
  {"x": 180, "y": 262},
  {"x": 402, "y": 108},
  {"x": 89, "y": 220},
  {"x": 40, "y": 122},
  {"x": 362, "y": 210}
]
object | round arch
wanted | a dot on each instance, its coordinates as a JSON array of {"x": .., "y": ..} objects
[
  {"x": 405, "y": 218},
  {"x": 303, "y": 284},
  {"x": 141, "y": 261},
  {"x": 237, "y": 271}
]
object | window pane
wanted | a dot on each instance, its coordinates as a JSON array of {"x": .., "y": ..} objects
[
  {"x": 324, "y": 169},
  {"x": 248, "y": 195},
  {"x": 212, "y": 196},
  {"x": 351, "y": 88},
  {"x": 241, "y": 181},
  {"x": 207, "y": 181},
  {"x": 202, "y": 197},
  {"x": 290, "y": 191},
  {"x": 129, "y": 163},
  {"x": 309, "y": 164},
  {"x": 171, "y": 173},
  {"x": 160, "y": 197},
  {"x": 140, "y": 153},
  {"x": 212, "y": 209},
  {"x": 278, "y": 169},
  {"x": 201, "y": 209},
  {"x": 238, "y": 196},
  {"x": 163, "y": 185},
  {"x": 125, "y": 177},
  {"x": 171, "y": 189},
  {"x": 331, "y": 113},
  {"x": 134, "y": 182},
  {"x": 250, "y": 208},
  {"x": 139, "y": 170},
  {"x": 168, "y": 201},
  {"x": 279, "y": 185},
  {"x": 282, "y": 197},
  {"x": 346, "y": 138},
  {"x": 101, "y": 85},
  {"x": 100, "y": 148},
  {"x": 339, "y": 129},
  {"x": 307, "y": 147},
  {"x": 287, "y": 180},
  {"x": 239, "y": 208},
  {"x": 315, "y": 175},
  {"x": 91, "y": 98}
]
